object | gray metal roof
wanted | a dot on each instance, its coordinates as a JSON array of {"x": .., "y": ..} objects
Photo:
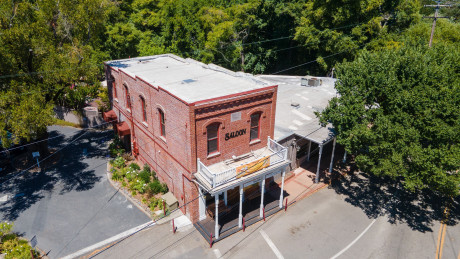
[
  {"x": 188, "y": 79},
  {"x": 301, "y": 120}
]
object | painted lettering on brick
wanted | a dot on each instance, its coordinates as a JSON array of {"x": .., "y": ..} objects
[{"x": 235, "y": 134}]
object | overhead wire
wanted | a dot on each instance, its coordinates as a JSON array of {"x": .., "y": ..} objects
[{"x": 11, "y": 176}]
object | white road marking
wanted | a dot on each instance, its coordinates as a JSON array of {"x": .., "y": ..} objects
[
  {"x": 303, "y": 116},
  {"x": 271, "y": 245},
  {"x": 354, "y": 241},
  {"x": 129, "y": 206},
  {"x": 217, "y": 253},
  {"x": 298, "y": 123},
  {"x": 305, "y": 92},
  {"x": 298, "y": 95},
  {"x": 108, "y": 241},
  {"x": 305, "y": 98},
  {"x": 293, "y": 128}
]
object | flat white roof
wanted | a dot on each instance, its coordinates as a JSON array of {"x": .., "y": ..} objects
[
  {"x": 188, "y": 79},
  {"x": 300, "y": 119}
]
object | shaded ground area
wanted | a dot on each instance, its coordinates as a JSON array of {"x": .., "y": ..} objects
[
  {"x": 70, "y": 205},
  {"x": 228, "y": 220},
  {"x": 378, "y": 197}
]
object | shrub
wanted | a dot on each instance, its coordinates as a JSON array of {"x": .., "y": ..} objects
[
  {"x": 12, "y": 246},
  {"x": 134, "y": 166},
  {"x": 144, "y": 176},
  {"x": 147, "y": 168},
  {"x": 123, "y": 171},
  {"x": 154, "y": 187},
  {"x": 119, "y": 162},
  {"x": 116, "y": 176},
  {"x": 154, "y": 203},
  {"x": 133, "y": 193},
  {"x": 130, "y": 176},
  {"x": 139, "y": 186},
  {"x": 164, "y": 188},
  {"x": 116, "y": 147}
]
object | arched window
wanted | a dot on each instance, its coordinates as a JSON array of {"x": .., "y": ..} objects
[
  {"x": 128, "y": 98},
  {"x": 144, "y": 110},
  {"x": 162, "y": 123},
  {"x": 114, "y": 87},
  {"x": 212, "y": 131},
  {"x": 255, "y": 127}
]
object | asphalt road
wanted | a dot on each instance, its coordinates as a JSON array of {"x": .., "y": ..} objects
[
  {"x": 71, "y": 205},
  {"x": 336, "y": 222}
]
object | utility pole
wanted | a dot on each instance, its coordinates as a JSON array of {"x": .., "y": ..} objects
[{"x": 437, "y": 6}]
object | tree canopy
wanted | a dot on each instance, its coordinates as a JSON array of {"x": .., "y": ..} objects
[{"x": 398, "y": 113}]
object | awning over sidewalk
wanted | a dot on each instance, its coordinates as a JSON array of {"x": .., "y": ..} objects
[
  {"x": 109, "y": 116},
  {"x": 123, "y": 128}
]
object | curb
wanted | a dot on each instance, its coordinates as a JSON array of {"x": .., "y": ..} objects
[
  {"x": 133, "y": 201},
  {"x": 108, "y": 242}
]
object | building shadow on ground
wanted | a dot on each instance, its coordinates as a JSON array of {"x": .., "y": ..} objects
[
  {"x": 81, "y": 165},
  {"x": 386, "y": 197}
]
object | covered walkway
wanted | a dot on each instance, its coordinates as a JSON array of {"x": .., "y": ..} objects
[{"x": 228, "y": 220}]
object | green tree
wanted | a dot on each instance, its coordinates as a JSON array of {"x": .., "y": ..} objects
[
  {"x": 398, "y": 113},
  {"x": 46, "y": 47},
  {"x": 338, "y": 26}
]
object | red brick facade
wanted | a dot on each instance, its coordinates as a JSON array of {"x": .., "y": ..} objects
[{"x": 174, "y": 156}]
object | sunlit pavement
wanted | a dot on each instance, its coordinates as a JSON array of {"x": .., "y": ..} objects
[{"x": 71, "y": 205}]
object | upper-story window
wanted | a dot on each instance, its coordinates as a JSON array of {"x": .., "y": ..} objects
[
  {"x": 128, "y": 98},
  {"x": 144, "y": 110},
  {"x": 255, "y": 127},
  {"x": 213, "y": 138},
  {"x": 114, "y": 87},
  {"x": 162, "y": 123}
]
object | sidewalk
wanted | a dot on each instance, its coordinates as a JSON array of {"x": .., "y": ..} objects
[{"x": 158, "y": 238}]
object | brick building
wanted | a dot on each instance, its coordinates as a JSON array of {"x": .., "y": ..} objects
[{"x": 205, "y": 130}]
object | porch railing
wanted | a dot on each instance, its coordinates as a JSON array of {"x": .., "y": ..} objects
[{"x": 218, "y": 178}]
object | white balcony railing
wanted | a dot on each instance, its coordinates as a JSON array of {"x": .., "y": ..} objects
[{"x": 279, "y": 154}]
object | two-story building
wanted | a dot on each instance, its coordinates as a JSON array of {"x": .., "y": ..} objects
[{"x": 206, "y": 131}]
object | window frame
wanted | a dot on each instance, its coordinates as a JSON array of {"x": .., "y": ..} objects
[
  {"x": 144, "y": 109},
  {"x": 128, "y": 98},
  {"x": 114, "y": 87},
  {"x": 162, "y": 119},
  {"x": 217, "y": 151},
  {"x": 258, "y": 127}
]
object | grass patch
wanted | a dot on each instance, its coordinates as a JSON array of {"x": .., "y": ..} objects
[{"x": 66, "y": 123}]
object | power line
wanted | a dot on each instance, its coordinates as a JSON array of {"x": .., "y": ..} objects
[
  {"x": 38, "y": 141},
  {"x": 179, "y": 53},
  {"x": 9, "y": 177},
  {"x": 313, "y": 61}
]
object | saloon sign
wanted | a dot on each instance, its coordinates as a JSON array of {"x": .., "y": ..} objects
[{"x": 235, "y": 134}]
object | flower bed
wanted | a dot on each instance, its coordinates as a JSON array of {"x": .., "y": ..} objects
[
  {"x": 13, "y": 246},
  {"x": 141, "y": 184}
]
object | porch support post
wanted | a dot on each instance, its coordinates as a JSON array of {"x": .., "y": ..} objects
[
  {"x": 344, "y": 157},
  {"x": 225, "y": 198},
  {"x": 332, "y": 157},
  {"x": 262, "y": 191},
  {"x": 240, "y": 217},
  {"x": 216, "y": 228},
  {"x": 202, "y": 204},
  {"x": 319, "y": 163},
  {"x": 282, "y": 189},
  {"x": 309, "y": 149}
]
